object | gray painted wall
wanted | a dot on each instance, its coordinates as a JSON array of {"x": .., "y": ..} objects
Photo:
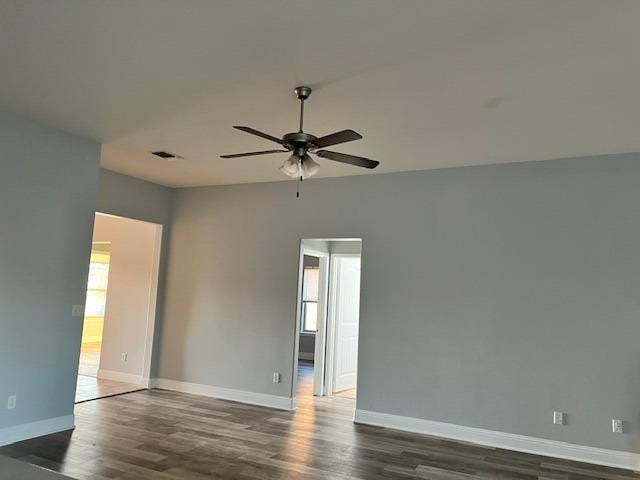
[
  {"x": 307, "y": 346},
  {"x": 317, "y": 245},
  {"x": 134, "y": 198},
  {"x": 491, "y": 296},
  {"x": 344, "y": 246},
  {"x": 141, "y": 200},
  {"x": 47, "y": 199}
]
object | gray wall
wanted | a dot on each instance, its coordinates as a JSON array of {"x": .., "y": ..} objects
[
  {"x": 141, "y": 200},
  {"x": 134, "y": 198},
  {"x": 47, "y": 198},
  {"x": 344, "y": 246},
  {"x": 307, "y": 346},
  {"x": 491, "y": 296}
]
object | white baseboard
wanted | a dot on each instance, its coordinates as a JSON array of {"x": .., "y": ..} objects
[
  {"x": 508, "y": 441},
  {"x": 120, "y": 377},
  {"x": 262, "y": 399},
  {"x": 25, "y": 431}
]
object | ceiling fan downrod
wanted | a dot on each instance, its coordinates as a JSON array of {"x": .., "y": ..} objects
[{"x": 302, "y": 93}]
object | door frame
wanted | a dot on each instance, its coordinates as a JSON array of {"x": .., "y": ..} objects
[
  {"x": 331, "y": 320},
  {"x": 144, "y": 379},
  {"x": 320, "y": 337}
]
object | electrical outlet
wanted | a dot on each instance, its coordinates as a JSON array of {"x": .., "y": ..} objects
[
  {"x": 11, "y": 402},
  {"x": 617, "y": 425},
  {"x": 558, "y": 418},
  {"x": 123, "y": 357},
  {"x": 77, "y": 310},
  {"x": 276, "y": 377}
]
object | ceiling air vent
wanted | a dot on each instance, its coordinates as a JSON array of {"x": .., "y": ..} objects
[{"x": 167, "y": 155}]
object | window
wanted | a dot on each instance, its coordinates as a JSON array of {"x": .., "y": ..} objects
[
  {"x": 97, "y": 284},
  {"x": 310, "y": 283}
]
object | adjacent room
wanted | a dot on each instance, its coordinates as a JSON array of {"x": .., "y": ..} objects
[
  {"x": 304, "y": 239},
  {"x": 327, "y": 330},
  {"x": 120, "y": 307}
]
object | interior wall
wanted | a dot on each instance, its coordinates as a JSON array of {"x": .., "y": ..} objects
[
  {"x": 491, "y": 295},
  {"x": 130, "y": 197},
  {"x": 130, "y": 288},
  {"x": 345, "y": 246},
  {"x": 317, "y": 245},
  {"x": 47, "y": 198}
]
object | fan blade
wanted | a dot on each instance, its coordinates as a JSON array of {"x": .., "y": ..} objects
[
  {"x": 336, "y": 138},
  {"x": 250, "y": 154},
  {"x": 253, "y": 131},
  {"x": 350, "y": 159}
]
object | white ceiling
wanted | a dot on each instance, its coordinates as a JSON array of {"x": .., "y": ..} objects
[{"x": 428, "y": 83}]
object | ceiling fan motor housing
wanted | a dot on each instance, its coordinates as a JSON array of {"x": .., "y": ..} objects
[{"x": 299, "y": 141}]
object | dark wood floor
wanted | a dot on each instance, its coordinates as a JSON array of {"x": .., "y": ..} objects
[{"x": 157, "y": 434}]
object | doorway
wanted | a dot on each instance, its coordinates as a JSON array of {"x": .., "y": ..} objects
[
  {"x": 327, "y": 326},
  {"x": 120, "y": 308}
]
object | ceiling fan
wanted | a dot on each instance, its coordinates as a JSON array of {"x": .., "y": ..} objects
[{"x": 300, "y": 164}]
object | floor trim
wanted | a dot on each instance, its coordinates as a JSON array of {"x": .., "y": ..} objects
[
  {"x": 509, "y": 441},
  {"x": 120, "y": 376},
  {"x": 25, "y": 431},
  {"x": 262, "y": 399},
  {"x": 110, "y": 395}
]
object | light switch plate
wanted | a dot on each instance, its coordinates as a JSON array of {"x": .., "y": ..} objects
[
  {"x": 11, "y": 402},
  {"x": 77, "y": 311}
]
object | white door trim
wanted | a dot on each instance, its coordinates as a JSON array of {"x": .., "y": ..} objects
[{"x": 319, "y": 349}]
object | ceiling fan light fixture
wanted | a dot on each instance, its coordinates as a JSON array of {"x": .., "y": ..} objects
[
  {"x": 309, "y": 167},
  {"x": 290, "y": 167}
]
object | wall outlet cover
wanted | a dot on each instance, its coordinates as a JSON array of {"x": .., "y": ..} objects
[
  {"x": 11, "y": 402},
  {"x": 558, "y": 418},
  {"x": 77, "y": 311},
  {"x": 276, "y": 377},
  {"x": 617, "y": 425}
]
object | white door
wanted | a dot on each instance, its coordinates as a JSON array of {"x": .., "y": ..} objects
[{"x": 347, "y": 310}]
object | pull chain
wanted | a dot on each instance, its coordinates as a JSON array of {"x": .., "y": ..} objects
[{"x": 299, "y": 177}]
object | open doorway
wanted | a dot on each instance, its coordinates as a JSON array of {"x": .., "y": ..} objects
[
  {"x": 328, "y": 319},
  {"x": 119, "y": 319}
]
